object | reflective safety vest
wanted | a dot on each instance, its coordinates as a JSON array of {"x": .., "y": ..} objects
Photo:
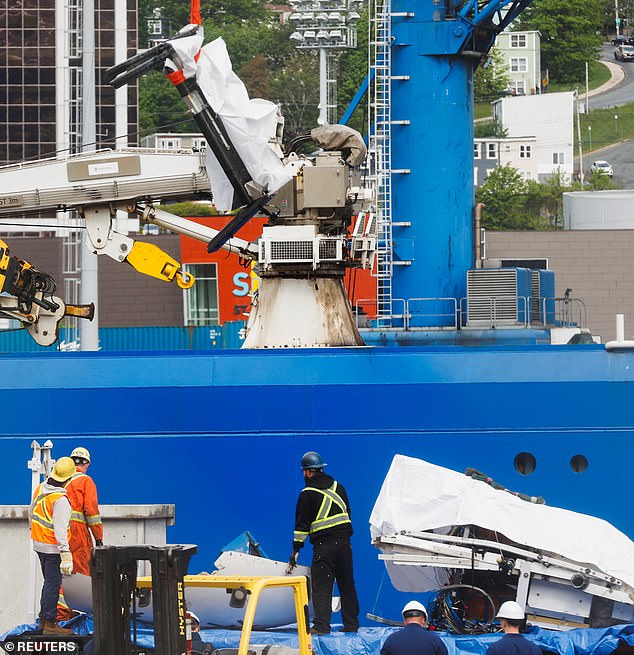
[
  {"x": 42, "y": 528},
  {"x": 78, "y": 515},
  {"x": 324, "y": 519}
]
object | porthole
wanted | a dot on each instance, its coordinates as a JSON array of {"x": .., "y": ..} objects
[
  {"x": 578, "y": 463},
  {"x": 525, "y": 463}
]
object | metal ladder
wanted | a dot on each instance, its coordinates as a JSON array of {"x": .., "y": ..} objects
[{"x": 379, "y": 129}]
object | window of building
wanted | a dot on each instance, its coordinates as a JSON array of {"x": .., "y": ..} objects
[
  {"x": 491, "y": 151},
  {"x": 558, "y": 157},
  {"x": 519, "y": 64},
  {"x": 168, "y": 143},
  {"x": 525, "y": 151},
  {"x": 518, "y": 87},
  {"x": 199, "y": 143},
  {"x": 476, "y": 150},
  {"x": 201, "y": 301},
  {"x": 518, "y": 40}
]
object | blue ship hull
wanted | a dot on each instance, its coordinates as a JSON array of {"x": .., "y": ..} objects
[{"x": 221, "y": 435}]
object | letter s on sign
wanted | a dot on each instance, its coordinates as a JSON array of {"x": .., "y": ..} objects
[{"x": 241, "y": 284}]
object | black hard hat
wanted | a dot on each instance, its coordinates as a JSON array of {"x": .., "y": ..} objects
[{"x": 312, "y": 460}]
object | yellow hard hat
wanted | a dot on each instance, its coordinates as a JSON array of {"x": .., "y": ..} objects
[
  {"x": 81, "y": 453},
  {"x": 64, "y": 468}
]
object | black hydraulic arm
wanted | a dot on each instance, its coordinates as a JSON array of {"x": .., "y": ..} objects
[{"x": 247, "y": 193}]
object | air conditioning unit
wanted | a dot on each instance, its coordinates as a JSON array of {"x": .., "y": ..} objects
[
  {"x": 499, "y": 297},
  {"x": 543, "y": 287}
]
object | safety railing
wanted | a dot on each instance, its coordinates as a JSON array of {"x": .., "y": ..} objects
[
  {"x": 491, "y": 312},
  {"x": 366, "y": 314},
  {"x": 564, "y": 312},
  {"x": 432, "y": 313}
]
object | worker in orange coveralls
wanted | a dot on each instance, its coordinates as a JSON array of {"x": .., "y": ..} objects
[{"x": 85, "y": 519}]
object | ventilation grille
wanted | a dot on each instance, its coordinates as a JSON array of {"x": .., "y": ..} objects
[
  {"x": 328, "y": 249},
  {"x": 536, "y": 310},
  {"x": 492, "y": 296},
  {"x": 296, "y": 251}
]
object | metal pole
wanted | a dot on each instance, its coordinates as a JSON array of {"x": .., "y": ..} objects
[
  {"x": 617, "y": 20},
  {"x": 89, "y": 291},
  {"x": 40, "y": 465},
  {"x": 581, "y": 176},
  {"x": 587, "y": 93},
  {"x": 590, "y": 138},
  {"x": 323, "y": 88}
]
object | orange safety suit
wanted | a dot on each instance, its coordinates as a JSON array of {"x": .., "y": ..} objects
[{"x": 82, "y": 494}]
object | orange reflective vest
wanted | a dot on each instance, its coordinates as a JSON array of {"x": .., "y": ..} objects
[{"x": 42, "y": 528}]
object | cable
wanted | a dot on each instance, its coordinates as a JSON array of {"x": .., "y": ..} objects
[{"x": 445, "y": 616}]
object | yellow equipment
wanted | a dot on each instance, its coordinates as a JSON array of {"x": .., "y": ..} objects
[
  {"x": 29, "y": 298},
  {"x": 248, "y": 589}
]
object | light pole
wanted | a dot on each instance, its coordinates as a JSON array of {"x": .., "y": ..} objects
[
  {"x": 325, "y": 26},
  {"x": 590, "y": 138}
]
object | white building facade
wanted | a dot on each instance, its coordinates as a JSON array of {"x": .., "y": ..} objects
[
  {"x": 549, "y": 118},
  {"x": 491, "y": 152}
]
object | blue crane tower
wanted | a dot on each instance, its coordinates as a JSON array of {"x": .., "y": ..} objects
[{"x": 426, "y": 52}]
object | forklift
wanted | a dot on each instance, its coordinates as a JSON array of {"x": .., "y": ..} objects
[{"x": 116, "y": 590}]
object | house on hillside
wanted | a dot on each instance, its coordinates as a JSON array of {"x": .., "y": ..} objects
[{"x": 522, "y": 54}]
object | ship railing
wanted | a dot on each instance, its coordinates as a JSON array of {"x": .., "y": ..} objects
[
  {"x": 486, "y": 312},
  {"x": 491, "y": 312},
  {"x": 564, "y": 312},
  {"x": 370, "y": 313},
  {"x": 432, "y": 313}
]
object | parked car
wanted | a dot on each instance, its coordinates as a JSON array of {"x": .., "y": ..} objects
[
  {"x": 624, "y": 53},
  {"x": 601, "y": 166}
]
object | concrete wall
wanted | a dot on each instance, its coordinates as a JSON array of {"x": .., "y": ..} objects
[
  {"x": 123, "y": 524},
  {"x": 598, "y": 265}
]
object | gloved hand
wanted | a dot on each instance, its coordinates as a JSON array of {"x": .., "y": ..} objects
[
  {"x": 292, "y": 563},
  {"x": 98, "y": 542},
  {"x": 66, "y": 566}
]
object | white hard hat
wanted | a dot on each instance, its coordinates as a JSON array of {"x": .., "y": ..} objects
[
  {"x": 81, "y": 453},
  {"x": 193, "y": 617},
  {"x": 414, "y": 606},
  {"x": 510, "y": 610}
]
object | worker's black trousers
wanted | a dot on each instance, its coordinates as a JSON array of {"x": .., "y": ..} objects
[{"x": 332, "y": 561}]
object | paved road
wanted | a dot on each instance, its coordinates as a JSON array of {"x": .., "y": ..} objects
[
  {"x": 620, "y": 155},
  {"x": 621, "y": 94}
]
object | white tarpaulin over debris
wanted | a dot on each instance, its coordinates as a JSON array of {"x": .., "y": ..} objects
[
  {"x": 418, "y": 496},
  {"x": 249, "y": 123}
]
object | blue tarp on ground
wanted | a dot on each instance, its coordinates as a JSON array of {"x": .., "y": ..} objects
[{"x": 368, "y": 641}]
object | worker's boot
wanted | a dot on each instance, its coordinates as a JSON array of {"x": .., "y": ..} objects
[{"x": 53, "y": 628}]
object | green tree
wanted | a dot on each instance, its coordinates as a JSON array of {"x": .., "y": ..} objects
[
  {"x": 570, "y": 35},
  {"x": 296, "y": 89},
  {"x": 161, "y": 108},
  {"x": 492, "y": 128},
  {"x": 491, "y": 79},
  {"x": 504, "y": 197}
]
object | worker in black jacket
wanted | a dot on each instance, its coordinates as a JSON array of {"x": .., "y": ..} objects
[{"x": 323, "y": 514}]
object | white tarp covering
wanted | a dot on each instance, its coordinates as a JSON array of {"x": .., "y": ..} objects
[
  {"x": 418, "y": 496},
  {"x": 249, "y": 123}
]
